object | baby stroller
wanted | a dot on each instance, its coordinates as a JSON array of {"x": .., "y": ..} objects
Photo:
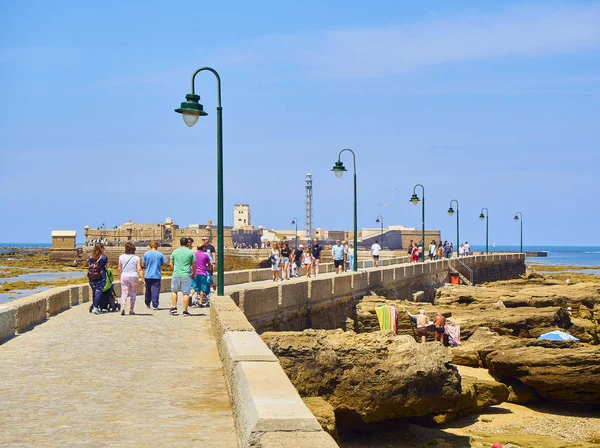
[
  {"x": 108, "y": 299},
  {"x": 195, "y": 299}
]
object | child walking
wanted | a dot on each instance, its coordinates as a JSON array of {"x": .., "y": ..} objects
[{"x": 307, "y": 261}]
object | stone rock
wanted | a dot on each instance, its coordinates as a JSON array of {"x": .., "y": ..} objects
[
  {"x": 324, "y": 414},
  {"x": 520, "y": 393},
  {"x": 368, "y": 377},
  {"x": 557, "y": 371}
]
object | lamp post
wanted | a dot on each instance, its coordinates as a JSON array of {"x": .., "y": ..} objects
[
  {"x": 482, "y": 217},
  {"x": 339, "y": 169},
  {"x": 415, "y": 200},
  {"x": 377, "y": 220},
  {"x": 295, "y": 222},
  {"x": 516, "y": 219},
  {"x": 451, "y": 212},
  {"x": 191, "y": 109}
]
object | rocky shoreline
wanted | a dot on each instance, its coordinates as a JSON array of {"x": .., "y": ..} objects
[{"x": 366, "y": 381}]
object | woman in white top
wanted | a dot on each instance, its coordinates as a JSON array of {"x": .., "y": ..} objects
[
  {"x": 130, "y": 269},
  {"x": 275, "y": 258}
]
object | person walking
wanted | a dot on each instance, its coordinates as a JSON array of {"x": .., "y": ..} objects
[
  {"x": 415, "y": 253},
  {"x": 467, "y": 248},
  {"x": 440, "y": 328},
  {"x": 440, "y": 251},
  {"x": 308, "y": 261},
  {"x": 337, "y": 252},
  {"x": 183, "y": 262},
  {"x": 152, "y": 263},
  {"x": 375, "y": 248},
  {"x": 345, "y": 246},
  {"x": 97, "y": 275},
  {"x": 286, "y": 253},
  {"x": 200, "y": 281},
  {"x": 316, "y": 249},
  {"x": 275, "y": 259},
  {"x": 130, "y": 270},
  {"x": 297, "y": 260},
  {"x": 432, "y": 250},
  {"x": 350, "y": 256}
]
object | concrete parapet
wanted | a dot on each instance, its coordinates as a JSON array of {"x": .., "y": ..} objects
[
  {"x": 260, "y": 302},
  {"x": 226, "y": 316},
  {"x": 244, "y": 346},
  {"x": 320, "y": 290},
  {"x": 84, "y": 293},
  {"x": 342, "y": 285},
  {"x": 409, "y": 270},
  {"x": 293, "y": 295},
  {"x": 367, "y": 264},
  {"x": 237, "y": 277},
  {"x": 259, "y": 275},
  {"x": 387, "y": 276},
  {"x": 296, "y": 440},
  {"x": 58, "y": 300},
  {"x": 7, "y": 323},
  {"x": 74, "y": 295},
  {"x": 264, "y": 400},
  {"x": 427, "y": 268},
  {"x": 29, "y": 311},
  {"x": 360, "y": 281},
  {"x": 374, "y": 278},
  {"x": 165, "y": 284},
  {"x": 399, "y": 273}
]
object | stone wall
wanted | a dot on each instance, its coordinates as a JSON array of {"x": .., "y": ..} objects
[{"x": 328, "y": 302}]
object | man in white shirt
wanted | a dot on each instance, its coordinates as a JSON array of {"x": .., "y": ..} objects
[
  {"x": 375, "y": 248},
  {"x": 467, "y": 249}
]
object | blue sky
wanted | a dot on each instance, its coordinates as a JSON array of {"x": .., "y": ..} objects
[{"x": 492, "y": 103}]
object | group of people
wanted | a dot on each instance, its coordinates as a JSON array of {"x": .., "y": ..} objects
[
  {"x": 286, "y": 261},
  {"x": 423, "y": 323},
  {"x": 437, "y": 251},
  {"x": 192, "y": 273}
]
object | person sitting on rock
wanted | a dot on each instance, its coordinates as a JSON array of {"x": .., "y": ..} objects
[
  {"x": 440, "y": 325},
  {"x": 422, "y": 321}
]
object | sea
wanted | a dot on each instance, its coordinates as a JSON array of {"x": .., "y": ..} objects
[{"x": 557, "y": 255}]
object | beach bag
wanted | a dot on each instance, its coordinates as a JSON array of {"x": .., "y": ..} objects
[{"x": 95, "y": 270}]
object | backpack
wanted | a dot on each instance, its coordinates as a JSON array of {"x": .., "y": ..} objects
[{"x": 95, "y": 270}]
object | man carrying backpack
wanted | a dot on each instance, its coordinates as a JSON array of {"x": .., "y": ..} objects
[{"x": 97, "y": 275}]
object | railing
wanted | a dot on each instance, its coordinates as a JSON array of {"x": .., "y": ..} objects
[{"x": 471, "y": 278}]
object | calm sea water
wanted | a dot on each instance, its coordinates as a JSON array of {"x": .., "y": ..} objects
[{"x": 558, "y": 255}]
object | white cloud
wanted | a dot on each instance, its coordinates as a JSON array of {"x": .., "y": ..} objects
[{"x": 548, "y": 29}]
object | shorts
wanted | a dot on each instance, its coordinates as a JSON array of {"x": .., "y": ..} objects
[
  {"x": 439, "y": 330},
  {"x": 338, "y": 263},
  {"x": 284, "y": 260},
  {"x": 422, "y": 331},
  {"x": 376, "y": 257},
  {"x": 183, "y": 284},
  {"x": 316, "y": 262},
  {"x": 200, "y": 284}
]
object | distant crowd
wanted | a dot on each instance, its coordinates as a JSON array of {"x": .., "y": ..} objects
[{"x": 438, "y": 251}]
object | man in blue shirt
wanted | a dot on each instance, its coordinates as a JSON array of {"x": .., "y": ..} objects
[
  {"x": 337, "y": 252},
  {"x": 152, "y": 263}
]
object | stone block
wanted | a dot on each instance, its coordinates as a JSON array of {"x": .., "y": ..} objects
[
  {"x": 409, "y": 270},
  {"x": 259, "y": 275},
  {"x": 342, "y": 285},
  {"x": 427, "y": 268},
  {"x": 367, "y": 264},
  {"x": 7, "y": 323},
  {"x": 165, "y": 284},
  {"x": 385, "y": 262},
  {"x": 244, "y": 346},
  {"x": 237, "y": 277},
  {"x": 312, "y": 439},
  {"x": 374, "y": 278},
  {"x": 235, "y": 296},
  {"x": 224, "y": 321},
  {"x": 260, "y": 302},
  {"x": 325, "y": 268},
  {"x": 320, "y": 290},
  {"x": 293, "y": 295},
  {"x": 29, "y": 311},
  {"x": 59, "y": 300},
  {"x": 418, "y": 268},
  {"x": 84, "y": 293},
  {"x": 74, "y": 295},
  {"x": 400, "y": 273},
  {"x": 360, "y": 281},
  {"x": 387, "y": 276},
  {"x": 264, "y": 400}
]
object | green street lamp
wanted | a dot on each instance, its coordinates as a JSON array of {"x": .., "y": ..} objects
[
  {"x": 377, "y": 220},
  {"x": 451, "y": 212},
  {"x": 295, "y": 222},
  {"x": 191, "y": 109},
  {"x": 415, "y": 200},
  {"x": 516, "y": 219},
  {"x": 482, "y": 217},
  {"x": 339, "y": 169}
]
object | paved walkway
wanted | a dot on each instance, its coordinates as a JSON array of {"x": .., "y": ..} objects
[{"x": 146, "y": 380}]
